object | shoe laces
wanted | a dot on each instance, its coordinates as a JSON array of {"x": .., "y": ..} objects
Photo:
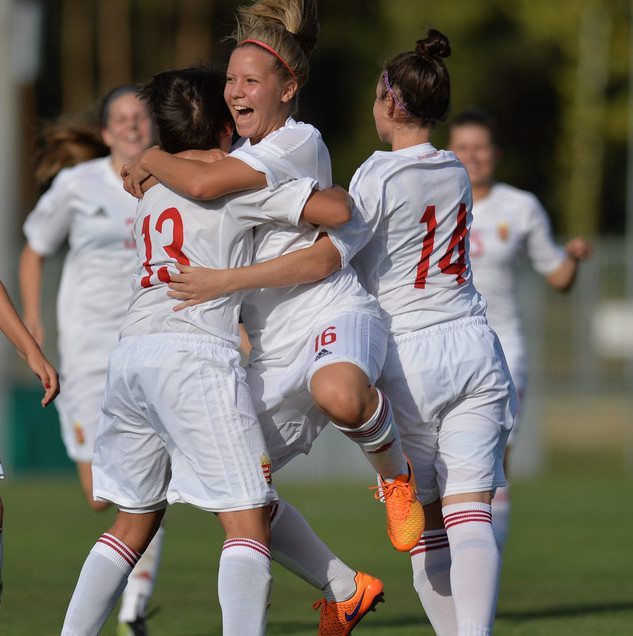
[
  {"x": 400, "y": 490},
  {"x": 319, "y": 603}
]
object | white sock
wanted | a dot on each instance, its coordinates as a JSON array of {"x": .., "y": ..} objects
[
  {"x": 380, "y": 440},
  {"x": 244, "y": 584},
  {"x": 501, "y": 516},
  {"x": 140, "y": 583},
  {"x": 100, "y": 584},
  {"x": 475, "y": 566},
  {"x": 297, "y": 547},
  {"x": 431, "y": 563}
]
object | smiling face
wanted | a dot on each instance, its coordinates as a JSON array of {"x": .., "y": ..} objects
[
  {"x": 474, "y": 148},
  {"x": 257, "y": 95},
  {"x": 129, "y": 128}
]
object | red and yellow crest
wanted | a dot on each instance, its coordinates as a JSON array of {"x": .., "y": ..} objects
[
  {"x": 80, "y": 436},
  {"x": 266, "y": 468},
  {"x": 503, "y": 230}
]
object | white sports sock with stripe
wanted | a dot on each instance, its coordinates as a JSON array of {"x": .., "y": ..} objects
[
  {"x": 244, "y": 584},
  {"x": 297, "y": 547},
  {"x": 102, "y": 579},
  {"x": 380, "y": 440},
  {"x": 431, "y": 563},
  {"x": 141, "y": 581},
  {"x": 475, "y": 566}
]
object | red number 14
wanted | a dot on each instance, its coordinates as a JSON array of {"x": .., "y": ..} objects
[{"x": 456, "y": 268}]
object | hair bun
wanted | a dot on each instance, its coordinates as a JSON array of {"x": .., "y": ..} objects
[{"x": 435, "y": 44}]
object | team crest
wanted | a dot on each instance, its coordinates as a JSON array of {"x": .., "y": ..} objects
[
  {"x": 503, "y": 230},
  {"x": 266, "y": 468},
  {"x": 80, "y": 436}
]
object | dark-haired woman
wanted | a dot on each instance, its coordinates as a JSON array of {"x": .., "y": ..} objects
[{"x": 87, "y": 205}]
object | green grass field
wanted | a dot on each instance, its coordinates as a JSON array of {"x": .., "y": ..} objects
[{"x": 568, "y": 568}]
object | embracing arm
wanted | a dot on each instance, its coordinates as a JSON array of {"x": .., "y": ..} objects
[
  {"x": 15, "y": 330},
  {"x": 31, "y": 265},
  {"x": 194, "y": 178},
  {"x": 196, "y": 285},
  {"x": 563, "y": 277}
]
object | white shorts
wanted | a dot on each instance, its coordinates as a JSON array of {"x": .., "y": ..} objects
[
  {"x": 289, "y": 418},
  {"x": 454, "y": 404},
  {"x": 79, "y": 408},
  {"x": 178, "y": 425}
]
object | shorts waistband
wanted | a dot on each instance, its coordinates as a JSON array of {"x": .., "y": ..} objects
[
  {"x": 180, "y": 337},
  {"x": 444, "y": 327}
]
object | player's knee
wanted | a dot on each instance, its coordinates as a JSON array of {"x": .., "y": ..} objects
[{"x": 345, "y": 405}]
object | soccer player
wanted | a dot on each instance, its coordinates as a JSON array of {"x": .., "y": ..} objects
[
  {"x": 317, "y": 348},
  {"x": 453, "y": 396},
  {"x": 178, "y": 424},
  {"x": 17, "y": 333},
  {"x": 87, "y": 204},
  {"x": 507, "y": 222}
]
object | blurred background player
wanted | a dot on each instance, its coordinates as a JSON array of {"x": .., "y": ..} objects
[
  {"x": 323, "y": 342},
  {"x": 165, "y": 435},
  {"x": 507, "y": 223},
  {"x": 87, "y": 205},
  {"x": 17, "y": 333}
]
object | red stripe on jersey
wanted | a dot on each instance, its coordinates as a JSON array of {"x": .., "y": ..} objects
[{"x": 247, "y": 543}]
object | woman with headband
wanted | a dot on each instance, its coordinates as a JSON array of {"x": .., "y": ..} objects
[
  {"x": 87, "y": 205},
  {"x": 320, "y": 344}
]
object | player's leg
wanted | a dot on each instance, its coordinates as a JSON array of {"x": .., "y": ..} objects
[
  {"x": 471, "y": 444},
  {"x": 342, "y": 385},
  {"x": 84, "y": 470},
  {"x": 106, "y": 570},
  {"x": 502, "y": 507},
  {"x": 244, "y": 579}
]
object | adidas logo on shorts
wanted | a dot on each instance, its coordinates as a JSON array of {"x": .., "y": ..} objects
[{"x": 323, "y": 352}]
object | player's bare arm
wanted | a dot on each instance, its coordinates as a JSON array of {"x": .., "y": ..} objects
[
  {"x": 15, "y": 330},
  {"x": 194, "y": 178},
  {"x": 331, "y": 207},
  {"x": 195, "y": 285},
  {"x": 577, "y": 250},
  {"x": 31, "y": 265}
]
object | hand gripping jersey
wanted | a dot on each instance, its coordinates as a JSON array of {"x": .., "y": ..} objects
[
  {"x": 279, "y": 320},
  {"x": 409, "y": 233},
  {"x": 170, "y": 228},
  {"x": 87, "y": 204},
  {"x": 506, "y": 224}
]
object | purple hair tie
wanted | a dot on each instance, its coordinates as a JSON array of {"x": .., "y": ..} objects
[{"x": 396, "y": 99}]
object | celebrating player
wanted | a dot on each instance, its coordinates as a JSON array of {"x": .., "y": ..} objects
[
  {"x": 453, "y": 396},
  {"x": 506, "y": 223},
  {"x": 322, "y": 343},
  {"x": 87, "y": 204},
  {"x": 178, "y": 424},
  {"x": 17, "y": 333}
]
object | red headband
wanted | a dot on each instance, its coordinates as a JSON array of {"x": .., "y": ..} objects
[{"x": 270, "y": 50}]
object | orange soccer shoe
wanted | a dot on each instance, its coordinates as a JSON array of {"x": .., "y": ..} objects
[
  {"x": 405, "y": 516},
  {"x": 338, "y": 619}
]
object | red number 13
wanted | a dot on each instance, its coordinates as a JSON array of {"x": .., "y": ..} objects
[
  {"x": 174, "y": 249},
  {"x": 458, "y": 240}
]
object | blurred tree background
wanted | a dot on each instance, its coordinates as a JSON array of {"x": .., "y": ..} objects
[{"x": 554, "y": 74}]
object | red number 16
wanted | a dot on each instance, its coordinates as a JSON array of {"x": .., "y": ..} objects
[{"x": 328, "y": 337}]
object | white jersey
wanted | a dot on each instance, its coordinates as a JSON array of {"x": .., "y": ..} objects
[
  {"x": 279, "y": 320},
  {"x": 170, "y": 228},
  {"x": 87, "y": 204},
  {"x": 507, "y": 223},
  {"x": 410, "y": 236}
]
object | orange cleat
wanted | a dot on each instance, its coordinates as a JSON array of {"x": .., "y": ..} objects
[
  {"x": 405, "y": 516},
  {"x": 338, "y": 619}
]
